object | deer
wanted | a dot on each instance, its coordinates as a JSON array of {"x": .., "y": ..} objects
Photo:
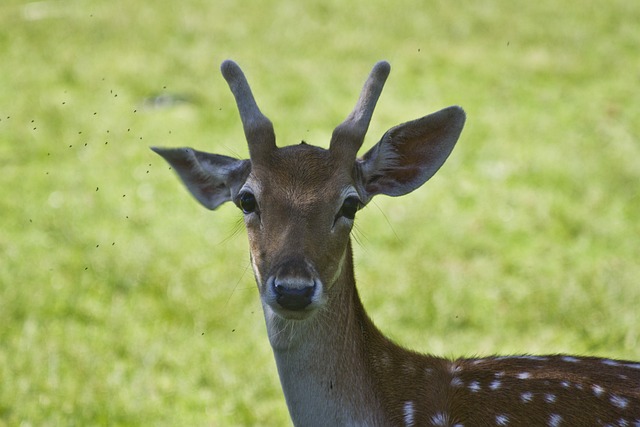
[{"x": 336, "y": 368}]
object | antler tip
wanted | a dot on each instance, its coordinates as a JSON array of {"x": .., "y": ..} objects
[
  {"x": 229, "y": 69},
  {"x": 382, "y": 67}
]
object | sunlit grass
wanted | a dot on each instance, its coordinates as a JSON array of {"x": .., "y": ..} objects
[{"x": 123, "y": 302}]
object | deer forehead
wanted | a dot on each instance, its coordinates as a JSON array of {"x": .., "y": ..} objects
[{"x": 301, "y": 176}]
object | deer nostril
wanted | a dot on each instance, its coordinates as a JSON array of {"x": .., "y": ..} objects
[{"x": 292, "y": 296}]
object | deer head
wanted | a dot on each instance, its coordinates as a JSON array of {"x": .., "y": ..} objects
[{"x": 299, "y": 202}]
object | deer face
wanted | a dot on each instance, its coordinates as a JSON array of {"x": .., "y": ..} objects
[{"x": 298, "y": 208}]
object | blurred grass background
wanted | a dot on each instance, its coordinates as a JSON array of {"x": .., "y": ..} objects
[{"x": 123, "y": 302}]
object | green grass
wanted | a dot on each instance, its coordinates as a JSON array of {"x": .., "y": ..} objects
[{"x": 122, "y": 302}]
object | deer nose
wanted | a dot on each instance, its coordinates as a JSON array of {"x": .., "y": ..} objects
[{"x": 293, "y": 294}]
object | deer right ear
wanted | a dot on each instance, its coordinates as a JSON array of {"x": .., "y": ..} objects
[
  {"x": 409, "y": 154},
  {"x": 211, "y": 178}
]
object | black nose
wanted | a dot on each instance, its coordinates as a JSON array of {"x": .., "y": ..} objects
[{"x": 292, "y": 295}]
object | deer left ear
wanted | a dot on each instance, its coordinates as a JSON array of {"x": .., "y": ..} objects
[
  {"x": 211, "y": 178},
  {"x": 411, "y": 153}
]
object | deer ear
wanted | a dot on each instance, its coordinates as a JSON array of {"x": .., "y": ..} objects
[
  {"x": 211, "y": 178},
  {"x": 411, "y": 153}
]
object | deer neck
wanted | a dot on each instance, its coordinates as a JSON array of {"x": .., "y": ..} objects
[{"x": 323, "y": 361}]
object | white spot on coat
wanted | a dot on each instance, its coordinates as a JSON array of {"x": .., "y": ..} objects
[
  {"x": 619, "y": 401},
  {"x": 455, "y": 369},
  {"x": 495, "y": 385},
  {"x": 526, "y": 397},
  {"x": 523, "y": 375},
  {"x": 456, "y": 382},
  {"x": 440, "y": 419},
  {"x": 474, "y": 386},
  {"x": 537, "y": 358},
  {"x": 409, "y": 413},
  {"x": 554, "y": 420},
  {"x": 502, "y": 420},
  {"x": 597, "y": 390}
]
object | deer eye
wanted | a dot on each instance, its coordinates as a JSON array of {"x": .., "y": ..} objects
[
  {"x": 247, "y": 202},
  {"x": 350, "y": 206}
]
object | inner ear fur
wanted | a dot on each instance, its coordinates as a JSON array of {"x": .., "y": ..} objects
[
  {"x": 211, "y": 178},
  {"x": 411, "y": 153}
]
